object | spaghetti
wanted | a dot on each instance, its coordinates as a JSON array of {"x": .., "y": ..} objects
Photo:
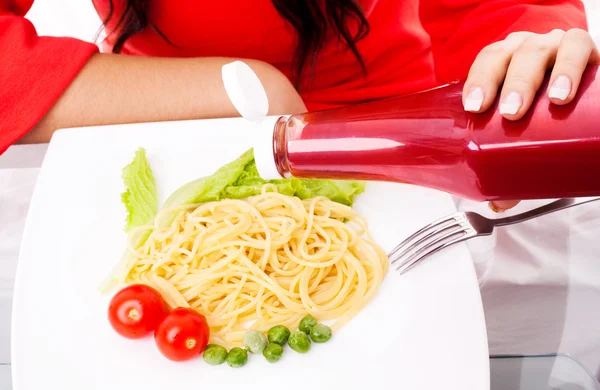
[{"x": 255, "y": 263}]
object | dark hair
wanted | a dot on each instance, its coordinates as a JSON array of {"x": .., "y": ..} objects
[{"x": 313, "y": 20}]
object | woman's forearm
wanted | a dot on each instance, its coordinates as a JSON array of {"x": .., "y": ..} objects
[{"x": 115, "y": 89}]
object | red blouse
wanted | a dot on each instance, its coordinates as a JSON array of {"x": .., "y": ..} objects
[{"x": 413, "y": 45}]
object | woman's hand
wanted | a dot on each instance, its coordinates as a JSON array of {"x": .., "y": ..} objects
[{"x": 520, "y": 63}]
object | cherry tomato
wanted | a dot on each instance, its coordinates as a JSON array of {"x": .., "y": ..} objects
[
  {"x": 135, "y": 311},
  {"x": 182, "y": 335}
]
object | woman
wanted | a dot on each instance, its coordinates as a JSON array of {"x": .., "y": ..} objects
[{"x": 311, "y": 54}]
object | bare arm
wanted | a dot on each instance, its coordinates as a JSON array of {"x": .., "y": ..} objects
[{"x": 115, "y": 89}]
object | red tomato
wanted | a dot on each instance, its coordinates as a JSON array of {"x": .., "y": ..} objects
[
  {"x": 182, "y": 335},
  {"x": 136, "y": 311}
]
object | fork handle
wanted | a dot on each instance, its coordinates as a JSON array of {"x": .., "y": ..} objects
[{"x": 557, "y": 205}]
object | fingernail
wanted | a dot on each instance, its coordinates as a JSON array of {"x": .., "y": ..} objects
[
  {"x": 474, "y": 100},
  {"x": 511, "y": 104},
  {"x": 501, "y": 206},
  {"x": 494, "y": 208},
  {"x": 561, "y": 88}
]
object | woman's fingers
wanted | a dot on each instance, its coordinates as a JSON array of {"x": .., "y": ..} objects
[
  {"x": 520, "y": 63},
  {"x": 575, "y": 52},
  {"x": 488, "y": 72},
  {"x": 499, "y": 206},
  {"x": 526, "y": 73}
]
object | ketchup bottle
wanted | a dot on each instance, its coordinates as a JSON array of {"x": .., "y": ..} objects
[{"x": 428, "y": 139}]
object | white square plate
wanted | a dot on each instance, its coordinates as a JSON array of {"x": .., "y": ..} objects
[{"x": 424, "y": 330}]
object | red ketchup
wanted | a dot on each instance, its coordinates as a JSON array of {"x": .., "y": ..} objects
[{"x": 427, "y": 139}]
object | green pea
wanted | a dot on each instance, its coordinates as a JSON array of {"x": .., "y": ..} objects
[
  {"x": 321, "y": 333},
  {"x": 299, "y": 342},
  {"x": 307, "y": 323},
  {"x": 237, "y": 357},
  {"x": 279, "y": 334},
  {"x": 273, "y": 352},
  {"x": 255, "y": 341},
  {"x": 214, "y": 354}
]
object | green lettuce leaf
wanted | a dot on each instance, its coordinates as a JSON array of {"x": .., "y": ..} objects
[
  {"x": 237, "y": 180},
  {"x": 140, "y": 197},
  {"x": 211, "y": 188},
  {"x": 240, "y": 179},
  {"x": 336, "y": 190},
  {"x": 250, "y": 183}
]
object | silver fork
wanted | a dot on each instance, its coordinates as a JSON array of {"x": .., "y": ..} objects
[{"x": 460, "y": 227}]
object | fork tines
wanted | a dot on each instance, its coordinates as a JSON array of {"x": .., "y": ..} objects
[{"x": 430, "y": 239}]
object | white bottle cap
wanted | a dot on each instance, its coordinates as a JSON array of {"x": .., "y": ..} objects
[
  {"x": 264, "y": 155},
  {"x": 245, "y": 90},
  {"x": 249, "y": 98}
]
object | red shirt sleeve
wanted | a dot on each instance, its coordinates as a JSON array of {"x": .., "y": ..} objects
[
  {"x": 459, "y": 29},
  {"x": 34, "y": 71}
]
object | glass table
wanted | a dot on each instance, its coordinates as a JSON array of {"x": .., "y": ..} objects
[
  {"x": 544, "y": 372},
  {"x": 540, "y": 285}
]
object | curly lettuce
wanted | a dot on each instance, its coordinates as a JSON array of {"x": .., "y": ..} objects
[
  {"x": 240, "y": 179},
  {"x": 237, "y": 180}
]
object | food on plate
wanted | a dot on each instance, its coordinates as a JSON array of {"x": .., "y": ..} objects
[
  {"x": 237, "y": 357},
  {"x": 269, "y": 260},
  {"x": 237, "y": 180},
  {"x": 182, "y": 334},
  {"x": 320, "y": 333},
  {"x": 278, "y": 334},
  {"x": 135, "y": 311},
  {"x": 214, "y": 354},
  {"x": 255, "y": 341},
  {"x": 251, "y": 258},
  {"x": 299, "y": 341},
  {"x": 273, "y": 352}
]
